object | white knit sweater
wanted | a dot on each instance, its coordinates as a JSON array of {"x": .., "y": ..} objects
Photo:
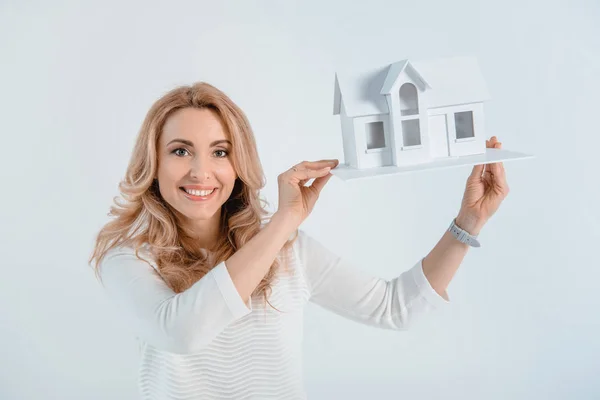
[{"x": 206, "y": 343}]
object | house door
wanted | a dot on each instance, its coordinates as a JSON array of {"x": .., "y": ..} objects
[{"x": 438, "y": 136}]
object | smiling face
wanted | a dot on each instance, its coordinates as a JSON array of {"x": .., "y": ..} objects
[{"x": 195, "y": 169}]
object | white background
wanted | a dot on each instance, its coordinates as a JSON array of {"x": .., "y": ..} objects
[{"x": 76, "y": 80}]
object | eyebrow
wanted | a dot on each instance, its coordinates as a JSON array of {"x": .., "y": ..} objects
[{"x": 189, "y": 143}]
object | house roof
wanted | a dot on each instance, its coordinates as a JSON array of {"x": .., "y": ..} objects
[
  {"x": 449, "y": 81},
  {"x": 394, "y": 72}
]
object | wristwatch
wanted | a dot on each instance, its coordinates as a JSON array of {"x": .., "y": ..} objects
[{"x": 462, "y": 235}]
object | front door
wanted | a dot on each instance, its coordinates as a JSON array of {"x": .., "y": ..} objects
[{"x": 438, "y": 136}]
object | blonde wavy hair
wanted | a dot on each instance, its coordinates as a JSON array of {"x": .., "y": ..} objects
[{"x": 144, "y": 218}]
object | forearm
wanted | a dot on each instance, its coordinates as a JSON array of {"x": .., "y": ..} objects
[
  {"x": 442, "y": 262},
  {"x": 252, "y": 261}
]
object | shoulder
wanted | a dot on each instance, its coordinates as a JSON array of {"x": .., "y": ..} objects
[
  {"x": 127, "y": 256},
  {"x": 123, "y": 250}
]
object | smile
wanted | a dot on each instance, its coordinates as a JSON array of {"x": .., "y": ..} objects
[{"x": 199, "y": 195}]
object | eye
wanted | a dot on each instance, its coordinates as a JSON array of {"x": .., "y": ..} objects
[
  {"x": 224, "y": 152},
  {"x": 177, "y": 149}
]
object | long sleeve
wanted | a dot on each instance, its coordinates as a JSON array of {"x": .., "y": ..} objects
[
  {"x": 342, "y": 288},
  {"x": 176, "y": 322}
]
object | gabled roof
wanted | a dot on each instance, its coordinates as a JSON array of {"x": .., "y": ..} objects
[
  {"x": 360, "y": 89},
  {"x": 449, "y": 81},
  {"x": 396, "y": 69}
]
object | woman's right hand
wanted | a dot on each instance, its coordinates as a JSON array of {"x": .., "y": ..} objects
[{"x": 296, "y": 201}]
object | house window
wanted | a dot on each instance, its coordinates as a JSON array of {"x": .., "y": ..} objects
[
  {"x": 411, "y": 132},
  {"x": 409, "y": 104},
  {"x": 375, "y": 135},
  {"x": 464, "y": 124}
]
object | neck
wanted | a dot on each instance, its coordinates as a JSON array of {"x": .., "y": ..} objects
[{"x": 205, "y": 232}]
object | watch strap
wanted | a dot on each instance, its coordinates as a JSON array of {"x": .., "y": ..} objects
[{"x": 463, "y": 236}]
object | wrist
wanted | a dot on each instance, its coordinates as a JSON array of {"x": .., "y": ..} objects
[
  {"x": 469, "y": 223},
  {"x": 286, "y": 221}
]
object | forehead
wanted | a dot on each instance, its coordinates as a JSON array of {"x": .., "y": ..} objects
[{"x": 194, "y": 124}]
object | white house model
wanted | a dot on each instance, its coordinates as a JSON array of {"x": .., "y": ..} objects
[{"x": 408, "y": 113}]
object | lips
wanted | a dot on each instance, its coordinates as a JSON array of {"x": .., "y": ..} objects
[
  {"x": 197, "y": 187},
  {"x": 198, "y": 198}
]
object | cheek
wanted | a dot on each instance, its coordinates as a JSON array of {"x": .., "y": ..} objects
[
  {"x": 171, "y": 172},
  {"x": 226, "y": 175}
]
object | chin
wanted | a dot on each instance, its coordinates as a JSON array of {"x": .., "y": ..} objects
[{"x": 200, "y": 215}]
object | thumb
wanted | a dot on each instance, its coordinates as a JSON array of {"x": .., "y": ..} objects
[{"x": 320, "y": 182}]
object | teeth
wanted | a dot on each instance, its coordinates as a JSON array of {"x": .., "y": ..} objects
[{"x": 199, "y": 192}]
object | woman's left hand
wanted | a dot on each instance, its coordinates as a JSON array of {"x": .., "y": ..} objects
[{"x": 485, "y": 189}]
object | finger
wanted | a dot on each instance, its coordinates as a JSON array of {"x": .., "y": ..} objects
[
  {"x": 320, "y": 182},
  {"x": 497, "y": 169},
  {"x": 495, "y": 173},
  {"x": 500, "y": 165},
  {"x": 303, "y": 182},
  {"x": 488, "y": 179},
  {"x": 311, "y": 165},
  {"x": 306, "y": 174},
  {"x": 498, "y": 180},
  {"x": 332, "y": 163},
  {"x": 491, "y": 143},
  {"x": 500, "y": 177},
  {"x": 477, "y": 171}
]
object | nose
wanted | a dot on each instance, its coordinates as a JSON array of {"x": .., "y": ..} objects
[{"x": 201, "y": 169}]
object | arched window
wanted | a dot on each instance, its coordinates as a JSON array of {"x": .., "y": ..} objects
[{"x": 409, "y": 103}]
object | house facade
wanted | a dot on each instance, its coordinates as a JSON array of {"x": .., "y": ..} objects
[{"x": 408, "y": 113}]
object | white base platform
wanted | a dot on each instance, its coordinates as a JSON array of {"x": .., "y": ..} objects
[{"x": 346, "y": 172}]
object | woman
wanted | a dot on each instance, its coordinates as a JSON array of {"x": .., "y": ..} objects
[{"x": 191, "y": 261}]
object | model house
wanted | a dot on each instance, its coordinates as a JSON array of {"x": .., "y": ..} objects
[{"x": 408, "y": 112}]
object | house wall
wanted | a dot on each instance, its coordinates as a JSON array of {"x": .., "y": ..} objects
[
  {"x": 403, "y": 155},
  {"x": 465, "y": 146},
  {"x": 369, "y": 158},
  {"x": 348, "y": 137}
]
